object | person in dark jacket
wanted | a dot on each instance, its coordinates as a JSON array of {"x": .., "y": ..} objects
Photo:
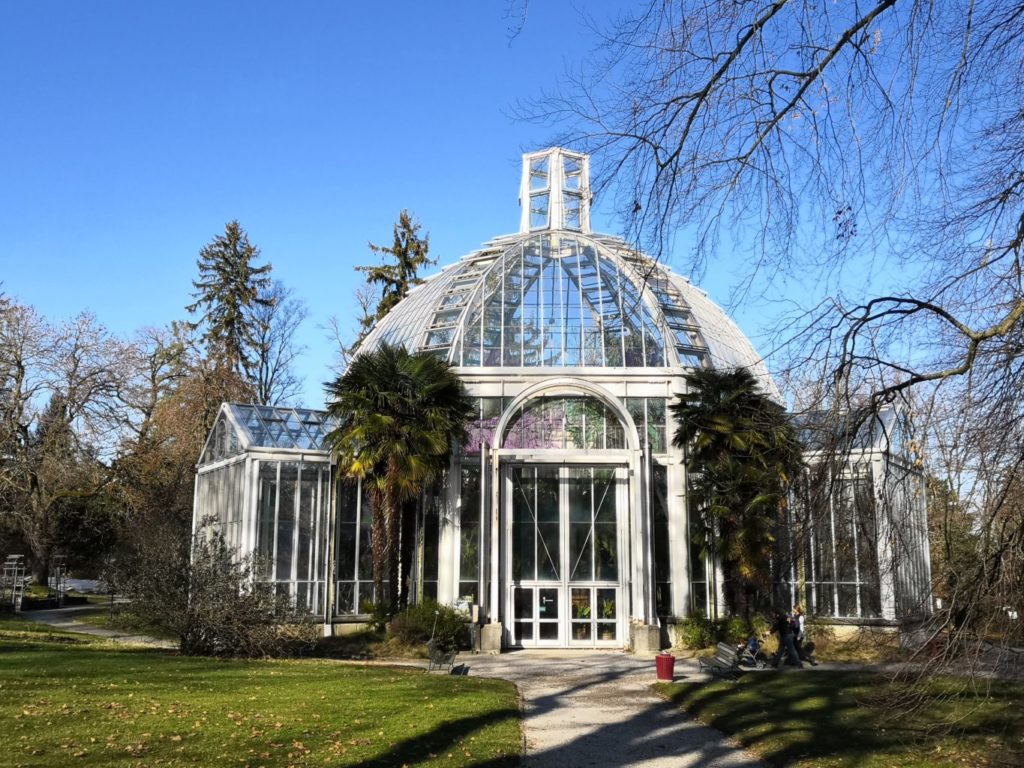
[{"x": 786, "y": 630}]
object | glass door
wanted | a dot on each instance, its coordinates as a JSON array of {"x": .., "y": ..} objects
[
  {"x": 563, "y": 568},
  {"x": 536, "y": 558}
]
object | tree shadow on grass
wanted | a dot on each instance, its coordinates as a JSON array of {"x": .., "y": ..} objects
[{"x": 837, "y": 715}]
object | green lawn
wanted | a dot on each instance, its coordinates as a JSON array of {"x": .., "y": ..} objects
[
  {"x": 69, "y": 700},
  {"x": 839, "y": 720}
]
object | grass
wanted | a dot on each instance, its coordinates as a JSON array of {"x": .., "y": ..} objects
[
  {"x": 839, "y": 720},
  {"x": 69, "y": 700}
]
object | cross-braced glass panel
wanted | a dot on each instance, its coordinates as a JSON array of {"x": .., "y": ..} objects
[{"x": 554, "y": 301}]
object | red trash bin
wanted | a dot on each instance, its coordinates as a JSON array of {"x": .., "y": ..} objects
[{"x": 665, "y": 663}]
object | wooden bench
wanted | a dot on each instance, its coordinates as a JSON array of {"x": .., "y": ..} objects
[
  {"x": 438, "y": 658},
  {"x": 724, "y": 663}
]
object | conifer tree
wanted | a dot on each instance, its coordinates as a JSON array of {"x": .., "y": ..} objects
[
  {"x": 399, "y": 271},
  {"x": 229, "y": 287}
]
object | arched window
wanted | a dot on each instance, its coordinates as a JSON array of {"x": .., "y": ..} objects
[{"x": 566, "y": 422}]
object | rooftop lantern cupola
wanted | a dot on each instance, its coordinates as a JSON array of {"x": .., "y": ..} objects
[{"x": 555, "y": 191}]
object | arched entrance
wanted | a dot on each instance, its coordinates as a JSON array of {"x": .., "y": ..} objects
[{"x": 563, "y": 475}]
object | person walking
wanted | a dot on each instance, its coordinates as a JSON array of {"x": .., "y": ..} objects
[
  {"x": 785, "y": 628},
  {"x": 804, "y": 649}
]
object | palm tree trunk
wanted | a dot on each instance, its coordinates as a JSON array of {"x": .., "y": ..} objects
[
  {"x": 394, "y": 524},
  {"x": 379, "y": 544}
]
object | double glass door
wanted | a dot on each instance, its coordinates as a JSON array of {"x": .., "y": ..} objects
[{"x": 565, "y": 554}]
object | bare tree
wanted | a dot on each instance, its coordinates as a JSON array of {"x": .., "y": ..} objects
[
  {"x": 872, "y": 153},
  {"x": 341, "y": 337},
  {"x": 274, "y": 348},
  {"x": 59, "y": 419}
]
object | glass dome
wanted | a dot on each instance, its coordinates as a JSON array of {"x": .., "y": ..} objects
[{"x": 556, "y": 296}]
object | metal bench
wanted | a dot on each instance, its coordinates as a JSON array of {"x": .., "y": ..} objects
[
  {"x": 724, "y": 663},
  {"x": 438, "y": 658}
]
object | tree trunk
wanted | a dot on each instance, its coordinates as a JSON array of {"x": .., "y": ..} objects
[
  {"x": 408, "y": 546},
  {"x": 394, "y": 532},
  {"x": 379, "y": 545}
]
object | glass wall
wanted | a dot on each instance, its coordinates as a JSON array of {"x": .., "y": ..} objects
[
  {"x": 291, "y": 518},
  {"x": 841, "y": 552},
  {"x": 568, "y": 422},
  {"x": 648, "y": 413},
  {"x": 660, "y": 533},
  {"x": 469, "y": 534},
  {"x": 354, "y": 586},
  {"x": 220, "y": 496}
]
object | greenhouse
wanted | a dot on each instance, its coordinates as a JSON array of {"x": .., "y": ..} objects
[{"x": 563, "y": 519}]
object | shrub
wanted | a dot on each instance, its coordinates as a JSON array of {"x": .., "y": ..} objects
[
  {"x": 228, "y": 613},
  {"x": 734, "y": 630},
  {"x": 378, "y": 614},
  {"x": 695, "y": 633},
  {"x": 415, "y": 624}
]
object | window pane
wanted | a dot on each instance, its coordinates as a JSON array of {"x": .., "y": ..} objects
[{"x": 286, "y": 521}]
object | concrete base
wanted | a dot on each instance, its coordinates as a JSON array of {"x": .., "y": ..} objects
[
  {"x": 490, "y": 638},
  {"x": 644, "y": 638}
]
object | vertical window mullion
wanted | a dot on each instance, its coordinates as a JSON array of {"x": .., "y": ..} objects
[{"x": 835, "y": 564}]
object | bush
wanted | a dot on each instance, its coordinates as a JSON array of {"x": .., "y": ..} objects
[
  {"x": 230, "y": 614},
  {"x": 734, "y": 630},
  {"x": 415, "y": 624},
  {"x": 695, "y": 633},
  {"x": 378, "y": 614}
]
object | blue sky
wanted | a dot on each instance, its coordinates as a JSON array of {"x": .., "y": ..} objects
[{"x": 132, "y": 131}]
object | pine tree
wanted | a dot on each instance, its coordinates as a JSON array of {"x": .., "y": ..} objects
[
  {"x": 399, "y": 272},
  {"x": 229, "y": 287}
]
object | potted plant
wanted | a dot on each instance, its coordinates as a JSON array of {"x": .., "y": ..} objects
[
  {"x": 607, "y": 615},
  {"x": 581, "y": 630}
]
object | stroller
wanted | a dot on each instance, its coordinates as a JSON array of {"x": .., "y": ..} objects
[{"x": 749, "y": 654}]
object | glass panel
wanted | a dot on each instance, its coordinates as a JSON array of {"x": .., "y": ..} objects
[
  {"x": 523, "y": 523},
  {"x": 539, "y": 210},
  {"x": 307, "y": 500},
  {"x": 345, "y": 597},
  {"x": 548, "y": 528},
  {"x": 265, "y": 514},
  {"x": 469, "y": 532},
  {"x": 547, "y": 603},
  {"x": 605, "y": 631},
  {"x": 524, "y": 631},
  {"x": 571, "y": 168},
  {"x": 523, "y": 603},
  {"x": 572, "y": 211},
  {"x": 660, "y": 532},
  {"x": 581, "y": 607},
  {"x": 431, "y": 531},
  {"x": 547, "y": 630},
  {"x": 581, "y": 542},
  {"x": 564, "y": 422},
  {"x": 539, "y": 173},
  {"x": 286, "y": 521},
  {"x": 847, "y": 599},
  {"x": 656, "y": 408}
]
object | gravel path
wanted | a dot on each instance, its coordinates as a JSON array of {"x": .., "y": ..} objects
[
  {"x": 64, "y": 619},
  {"x": 598, "y": 709}
]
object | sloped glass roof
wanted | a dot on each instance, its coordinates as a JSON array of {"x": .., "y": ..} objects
[
  {"x": 562, "y": 299},
  {"x": 241, "y": 427},
  {"x": 556, "y": 296}
]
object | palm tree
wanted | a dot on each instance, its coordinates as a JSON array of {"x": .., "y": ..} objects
[
  {"x": 398, "y": 414},
  {"x": 742, "y": 455}
]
